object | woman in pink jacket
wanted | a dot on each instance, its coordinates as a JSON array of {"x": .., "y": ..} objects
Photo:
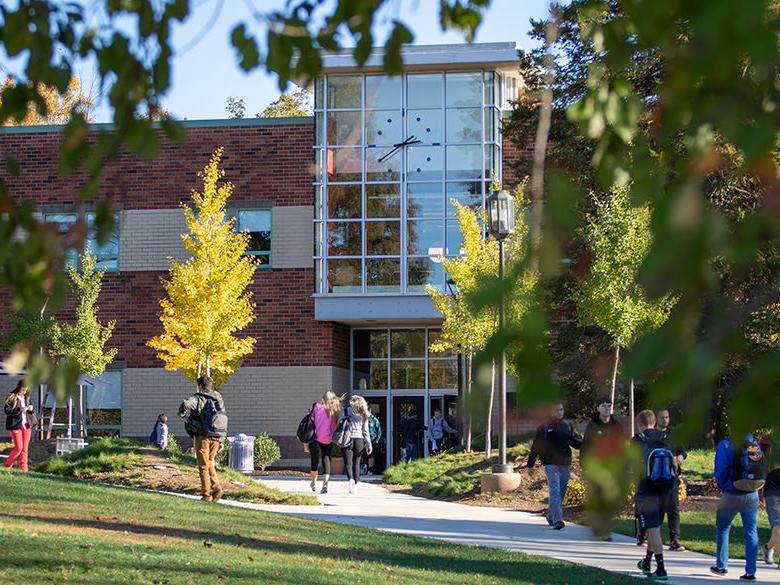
[{"x": 326, "y": 415}]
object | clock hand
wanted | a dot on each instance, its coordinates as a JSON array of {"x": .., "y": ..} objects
[{"x": 407, "y": 142}]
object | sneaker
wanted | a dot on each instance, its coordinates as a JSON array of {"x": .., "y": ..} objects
[
  {"x": 675, "y": 546},
  {"x": 351, "y": 486},
  {"x": 206, "y": 498},
  {"x": 549, "y": 522},
  {"x": 559, "y": 525},
  {"x": 313, "y": 488},
  {"x": 324, "y": 489},
  {"x": 718, "y": 571},
  {"x": 355, "y": 488},
  {"x": 606, "y": 538},
  {"x": 644, "y": 566},
  {"x": 769, "y": 555},
  {"x": 747, "y": 577},
  {"x": 217, "y": 494},
  {"x": 659, "y": 575}
]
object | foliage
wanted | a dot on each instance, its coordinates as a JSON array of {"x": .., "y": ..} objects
[
  {"x": 101, "y": 456},
  {"x": 207, "y": 302},
  {"x": 297, "y": 103},
  {"x": 30, "y": 329},
  {"x": 610, "y": 297},
  {"x": 575, "y": 494},
  {"x": 267, "y": 451},
  {"x": 173, "y": 448},
  {"x": 236, "y": 107},
  {"x": 58, "y": 106},
  {"x": 231, "y": 544},
  {"x": 84, "y": 343}
]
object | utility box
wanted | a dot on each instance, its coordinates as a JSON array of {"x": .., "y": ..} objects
[{"x": 241, "y": 455}]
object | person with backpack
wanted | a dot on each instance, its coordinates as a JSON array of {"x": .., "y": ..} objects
[
  {"x": 205, "y": 420},
  {"x": 652, "y": 492},
  {"x": 370, "y": 464},
  {"x": 552, "y": 444},
  {"x": 325, "y": 415},
  {"x": 411, "y": 428},
  {"x": 771, "y": 498},
  {"x": 740, "y": 471},
  {"x": 354, "y": 439},
  {"x": 18, "y": 415},
  {"x": 436, "y": 432},
  {"x": 159, "y": 436},
  {"x": 672, "y": 505}
]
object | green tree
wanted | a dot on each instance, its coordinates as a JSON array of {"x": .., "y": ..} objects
[
  {"x": 287, "y": 105},
  {"x": 619, "y": 237},
  {"x": 84, "y": 343},
  {"x": 208, "y": 301}
]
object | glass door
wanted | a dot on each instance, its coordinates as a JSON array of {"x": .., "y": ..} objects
[
  {"x": 378, "y": 460},
  {"x": 408, "y": 427}
]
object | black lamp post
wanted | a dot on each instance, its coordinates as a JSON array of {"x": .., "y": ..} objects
[{"x": 501, "y": 223}]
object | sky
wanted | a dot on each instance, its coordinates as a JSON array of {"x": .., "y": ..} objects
[{"x": 205, "y": 70}]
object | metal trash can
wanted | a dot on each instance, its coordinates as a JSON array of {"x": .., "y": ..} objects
[{"x": 241, "y": 454}]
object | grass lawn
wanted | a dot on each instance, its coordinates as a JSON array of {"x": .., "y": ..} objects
[
  {"x": 57, "y": 529},
  {"x": 130, "y": 463},
  {"x": 699, "y": 465}
]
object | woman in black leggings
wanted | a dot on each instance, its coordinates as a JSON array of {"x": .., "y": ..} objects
[
  {"x": 357, "y": 413},
  {"x": 325, "y": 414}
]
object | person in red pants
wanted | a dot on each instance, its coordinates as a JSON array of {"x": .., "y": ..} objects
[{"x": 17, "y": 421}]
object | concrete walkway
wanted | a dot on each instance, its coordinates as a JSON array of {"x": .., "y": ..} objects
[{"x": 375, "y": 507}]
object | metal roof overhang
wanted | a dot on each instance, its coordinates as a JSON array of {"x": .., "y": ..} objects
[{"x": 369, "y": 310}]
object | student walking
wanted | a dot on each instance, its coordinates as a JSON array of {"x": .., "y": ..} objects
[
  {"x": 159, "y": 436},
  {"x": 205, "y": 420},
  {"x": 356, "y": 419},
  {"x": 652, "y": 493},
  {"x": 371, "y": 464},
  {"x": 771, "y": 498},
  {"x": 603, "y": 430},
  {"x": 672, "y": 504},
  {"x": 411, "y": 428},
  {"x": 552, "y": 444},
  {"x": 18, "y": 413},
  {"x": 325, "y": 414},
  {"x": 738, "y": 473},
  {"x": 437, "y": 428}
]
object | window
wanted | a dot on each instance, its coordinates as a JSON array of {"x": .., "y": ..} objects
[
  {"x": 103, "y": 404},
  {"x": 258, "y": 223},
  {"x": 107, "y": 254}
]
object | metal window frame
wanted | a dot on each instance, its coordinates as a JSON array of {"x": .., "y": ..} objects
[{"x": 269, "y": 252}]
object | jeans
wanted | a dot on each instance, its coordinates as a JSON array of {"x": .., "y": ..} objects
[
  {"x": 746, "y": 505},
  {"x": 21, "y": 441},
  {"x": 411, "y": 452},
  {"x": 673, "y": 509},
  {"x": 557, "y": 482}
]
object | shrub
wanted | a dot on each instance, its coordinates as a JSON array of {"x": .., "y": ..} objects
[
  {"x": 267, "y": 451},
  {"x": 575, "y": 494},
  {"x": 222, "y": 456},
  {"x": 173, "y": 448}
]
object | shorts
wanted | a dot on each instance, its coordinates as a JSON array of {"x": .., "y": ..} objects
[
  {"x": 773, "y": 510},
  {"x": 650, "y": 509}
]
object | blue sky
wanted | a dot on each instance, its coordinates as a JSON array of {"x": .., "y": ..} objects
[{"x": 205, "y": 74}]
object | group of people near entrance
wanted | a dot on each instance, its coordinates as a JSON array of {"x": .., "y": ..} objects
[
  {"x": 740, "y": 472},
  {"x": 358, "y": 433}
]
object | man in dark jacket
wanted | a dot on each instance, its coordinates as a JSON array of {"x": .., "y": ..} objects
[
  {"x": 673, "y": 502},
  {"x": 602, "y": 430},
  {"x": 552, "y": 444},
  {"x": 208, "y": 440}
]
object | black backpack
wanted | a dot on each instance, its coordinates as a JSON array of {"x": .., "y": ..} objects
[
  {"x": 659, "y": 468},
  {"x": 306, "y": 431},
  {"x": 342, "y": 436},
  {"x": 749, "y": 469},
  {"x": 211, "y": 421}
]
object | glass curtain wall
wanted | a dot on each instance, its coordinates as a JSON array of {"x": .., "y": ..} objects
[{"x": 384, "y": 218}]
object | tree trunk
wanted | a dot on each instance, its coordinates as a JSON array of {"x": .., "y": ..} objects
[
  {"x": 614, "y": 374},
  {"x": 489, "y": 426},
  {"x": 469, "y": 378},
  {"x": 69, "y": 433},
  {"x": 631, "y": 405}
]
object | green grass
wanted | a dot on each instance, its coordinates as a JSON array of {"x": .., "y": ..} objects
[
  {"x": 698, "y": 532},
  {"x": 57, "y": 530},
  {"x": 121, "y": 461},
  {"x": 699, "y": 465},
  {"x": 450, "y": 475}
]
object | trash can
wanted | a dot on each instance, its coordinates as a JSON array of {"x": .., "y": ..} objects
[{"x": 241, "y": 455}]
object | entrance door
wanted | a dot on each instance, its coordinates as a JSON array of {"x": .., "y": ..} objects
[
  {"x": 448, "y": 406},
  {"x": 403, "y": 408},
  {"x": 378, "y": 406}
]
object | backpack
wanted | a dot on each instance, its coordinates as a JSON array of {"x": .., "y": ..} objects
[
  {"x": 749, "y": 469},
  {"x": 153, "y": 437},
  {"x": 306, "y": 431},
  {"x": 659, "y": 464},
  {"x": 342, "y": 437},
  {"x": 374, "y": 429},
  {"x": 211, "y": 421}
]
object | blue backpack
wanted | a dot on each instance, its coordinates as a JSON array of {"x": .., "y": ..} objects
[
  {"x": 659, "y": 464},
  {"x": 749, "y": 470}
]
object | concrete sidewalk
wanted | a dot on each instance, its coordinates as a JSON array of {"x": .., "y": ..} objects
[{"x": 375, "y": 507}]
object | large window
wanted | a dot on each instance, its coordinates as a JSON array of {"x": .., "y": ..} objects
[
  {"x": 258, "y": 223},
  {"x": 384, "y": 217},
  {"x": 102, "y": 408},
  {"x": 107, "y": 255},
  {"x": 399, "y": 359}
]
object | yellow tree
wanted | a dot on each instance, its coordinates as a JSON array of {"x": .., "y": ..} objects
[
  {"x": 207, "y": 303},
  {"x": 467, "y": 328},
  {"x": 53, "y": 107}
]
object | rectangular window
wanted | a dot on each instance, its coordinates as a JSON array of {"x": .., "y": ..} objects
[
  {"x": 258, "y": 223},
  {"x": 107, "y": 254},
  {"x": 103, "y": 404}
]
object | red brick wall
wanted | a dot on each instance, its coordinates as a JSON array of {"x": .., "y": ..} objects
[{"x": 263, "y": 162}]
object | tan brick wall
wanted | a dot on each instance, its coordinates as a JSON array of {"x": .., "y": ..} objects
[
  {"x": 292, "y": 236},
  {"x": 148, "y": 237}
]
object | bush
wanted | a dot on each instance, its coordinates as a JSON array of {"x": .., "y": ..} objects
[
  {"x": 173, "y": 448},
  {"x": 267, "y": 451},
  {"x": 222, "y": 456},
  {"x": 575, "y": 494}
]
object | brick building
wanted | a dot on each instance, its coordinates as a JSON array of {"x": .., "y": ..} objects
[{"x": 348, "y": 227}]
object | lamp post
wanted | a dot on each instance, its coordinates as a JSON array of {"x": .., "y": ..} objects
[
  {"x": 501, "y": 223},
  {"x": 461, "y": 391}
]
